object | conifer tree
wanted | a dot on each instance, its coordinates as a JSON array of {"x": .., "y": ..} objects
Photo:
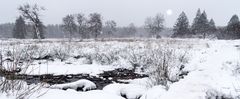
[
  {"x": 19, "y": 30},
  {"x": 233, "y": 27},
  {"x": 195, "y": 25},
  {"x": 203, "y": 24},
  {"x": 181, "y": 28},
  {"x": 212, "y": 27}
]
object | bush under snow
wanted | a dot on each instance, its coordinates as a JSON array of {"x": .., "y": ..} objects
[
  {"x": 129, "y": 91},
  {"x": 83, "y": 85},
  {"x": 154, "y": 92}
]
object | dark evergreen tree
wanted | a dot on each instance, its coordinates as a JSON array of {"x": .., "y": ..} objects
[
  {"x": 19, "y": 30},
  {"x": 212, "y": 26},
  {"x": 181, "y": 28},
  {"x": 6, "y": 30},
  {"x": 203, "y": 24},
  {"x": 233, "y": 27},
  {"x": 195, "y": 25}
]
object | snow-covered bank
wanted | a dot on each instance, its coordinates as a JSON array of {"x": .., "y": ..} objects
[
  {"x": 211, "y": 73},
  {"x": 213, "y": 68}
]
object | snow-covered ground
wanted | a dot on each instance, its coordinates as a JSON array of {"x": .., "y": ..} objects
[{"x": 213, "y": 71}]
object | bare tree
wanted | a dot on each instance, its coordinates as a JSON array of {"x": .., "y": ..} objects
[
  {"x": 95, "y": 24},
  {"x": 110, "y": 27},
  {"x": 130, "y": 30},
  {"x": 32, "y": 13},
  {"x": 155, "y": 25},
  {"x": 69, "y": 25},
  {"x": 82, "y": 26}
]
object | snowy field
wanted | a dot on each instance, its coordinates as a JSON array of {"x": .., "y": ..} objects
[{"x": 213, "y": 67}]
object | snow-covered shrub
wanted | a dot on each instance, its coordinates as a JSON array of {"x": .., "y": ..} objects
[
  {"x": 155, "y": 92},
  {"x": 214, "y": 94},
  {"x": 105, "y": 58},
  {"x": 41, "y": 51},
  {"x": 160, "y": 66},
  {"x": 18, "y": 57},
  {"x": 128, "y": 91},
  {"x": 29, "y": 52},
  {"x": 136, "y": 58},
  {"x": 61, "y": 52},
  {"x": 22, "y": 53},
  {"x": 165, "y": 65},
  {"x": 236, "y": 68},
  {"x": 87, "y": 60},
  {"x": 17, "y": 88},
  {"x": 162, "y": 63}
]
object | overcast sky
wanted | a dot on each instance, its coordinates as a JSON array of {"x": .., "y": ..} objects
[{"x": 125, "y": 11}]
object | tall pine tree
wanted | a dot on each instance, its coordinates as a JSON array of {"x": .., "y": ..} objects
[
  {"x": 195, "y": 25},
  {"x": 203, "y": 24},
  {"x": 233, "y": 27},
  {"x": 19, "y": 30},
  {"x": 181, "y": 28},
  {"x": 212, "y": 27}
]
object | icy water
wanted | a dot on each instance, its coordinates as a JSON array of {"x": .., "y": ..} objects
[{"x": 101, "y": 80}]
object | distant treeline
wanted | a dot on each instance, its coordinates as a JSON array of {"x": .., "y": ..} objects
[
  {"x": 30, "y": 25},
  {"x": 56, "y": 31}
]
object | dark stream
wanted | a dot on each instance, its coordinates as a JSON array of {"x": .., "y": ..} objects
[{"x": 100, "y": 80}]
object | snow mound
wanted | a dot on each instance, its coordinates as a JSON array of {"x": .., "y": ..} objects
[
  {"x": 80, "y": 85},
  {"x": 72, "y": 94},
  {"x": 129, "y": 91},
  {"x": 139, "y": 81},
  {"x": 154, "y": 93}
]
